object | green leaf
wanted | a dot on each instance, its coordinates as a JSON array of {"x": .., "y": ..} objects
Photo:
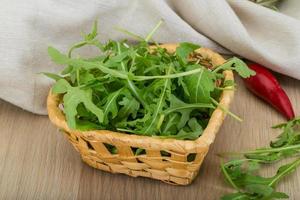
[
  {"x": 138, "y": 123},
  {"x": 93, "y": 34},
  {"x": 53, "y": 76},
  {"x": 236, "y": 196},
  {"x": 139, "y": 151},
  {"x": 279, "y": 195},
  {"x": 200, "y": 85},
  {"x": 85, "y": 77},
  {"x": 73, "y": 98},
  {"x": 151, "y": 124},
  {"x": 85, "y": 125},
  {"x": 263, "y": 190},
  {"x": 67, "y": 70},
  {"x": 56, "y": 56},
  {"x": 111, "y": 106},
  {"x": 195, "y": 130},
  {"x": 184, "y": 49},
  {"x": 241, "y": 68},
  {"x": 284, "y": 171},
  {"x": 237, "y": 65},
  {"x": 130, "y": 107},
  {"x": 61, "y": 86},
  {"x": 117, "y": 59},
  {"x": 170, "y": 124},
  {"x": 175, "y": 104}
]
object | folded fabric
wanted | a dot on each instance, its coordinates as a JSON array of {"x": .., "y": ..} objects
[{"x": 229, "y": 27}]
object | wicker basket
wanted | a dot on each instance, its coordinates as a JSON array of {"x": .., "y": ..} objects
[{"x": 165, "y": 159}]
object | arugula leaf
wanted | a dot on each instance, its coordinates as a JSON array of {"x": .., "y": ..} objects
[
  {"x": 151, "y": 124},
  {"x": 61, "y": 86},
  {"x": 184, "y": 49},
  {"x": 260, "y": 189},
  {"x": 191, "y": 132},
  {"x": 89, "y": 39},
  {"x": 130, "y": 106},
  {"x": 176, "y": 105},
  {"x": 170, "y": 124},
  {"x": 237, "y": 65},
  {"x": 200, "y": 85},
  {"x": 73, "y": 97},
  {"x": 235, "y": 196},
  {"x": 53, "y": 76},
  {"x": 279, "y": 195},
  {"x": 284, "y": 170},
  {"x": 85, "y": 125},
  {"x": 56, "y": 56},
  {"x": 111, "y": 106},
  {"x": 93, "y": 34}
]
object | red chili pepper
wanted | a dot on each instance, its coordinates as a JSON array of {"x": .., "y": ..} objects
[{"x": 266, "y": 86}]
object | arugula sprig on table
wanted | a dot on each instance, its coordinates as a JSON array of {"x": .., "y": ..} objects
[
  {"x": 140, "y": 90},
  {"x": 242, "y": 174}
]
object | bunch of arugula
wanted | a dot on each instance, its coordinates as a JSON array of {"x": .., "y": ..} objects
[
  {"x": 242, "y": 173},
  {"x": 139, "y": 90}
]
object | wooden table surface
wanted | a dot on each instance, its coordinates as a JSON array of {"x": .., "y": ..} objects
[{"x": 37, "y": 162}]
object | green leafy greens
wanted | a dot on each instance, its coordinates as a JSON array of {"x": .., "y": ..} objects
[
  {"x": 242, "y": 173},
  {"x": 139, "y": 90}
]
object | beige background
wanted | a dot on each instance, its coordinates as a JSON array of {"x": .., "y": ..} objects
[{"x": 37, "y": 162}]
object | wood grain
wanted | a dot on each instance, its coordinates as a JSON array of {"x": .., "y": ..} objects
[{"x": 37, "y": 162}]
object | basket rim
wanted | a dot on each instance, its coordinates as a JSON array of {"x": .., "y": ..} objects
[{"x": 201, "y": 144}]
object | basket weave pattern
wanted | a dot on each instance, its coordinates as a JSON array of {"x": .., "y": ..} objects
[{"x": 164, "y": 159}]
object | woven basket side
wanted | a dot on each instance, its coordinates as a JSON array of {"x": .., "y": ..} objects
[{"x": 174, "y": 168}]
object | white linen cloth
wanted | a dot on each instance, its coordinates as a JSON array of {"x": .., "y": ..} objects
[{"x": 239, "y": 26}]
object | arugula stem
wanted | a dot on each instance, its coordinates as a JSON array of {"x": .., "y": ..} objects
[
  {"x": 225, "y": 88},
  {"x": 159, "y": 104},
  {"x": 261, "y": 151},
  {"x": 133, "y": 35},
  {"x": 151, "y": 68},
  {"x": 177, "y": 75},
  {"x": 160, "y": 121},
  {"x": 285, "y": 172},
  {"x": 227, "y": 65},
  {"x": 149, "y": 36},
  {"x": 127, "y": 130},
  {"x": 131, "y": 85},
  {"x": 196, "y": 105},
  {"x": 78, "y": 77},
  {"x": 168, "y": 124},
  {"x": 217, "y": 69},
  {"x": 227, "y": 176},
  {"x": 226, "y": 110},
  {"x": 125, "y": 75},
  {"x": 76, "y": 46},
  {"x": 241, "y": 161},
  {"x": 91, "y": 65},
  {"x": 270, "y": 150}
]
